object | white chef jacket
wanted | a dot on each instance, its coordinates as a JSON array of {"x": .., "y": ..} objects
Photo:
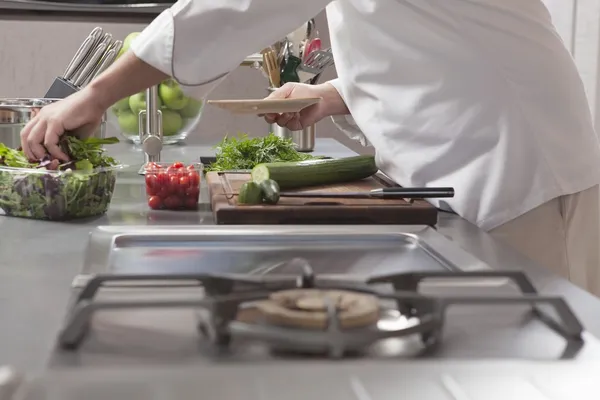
[{"x": 481, "y": 95}]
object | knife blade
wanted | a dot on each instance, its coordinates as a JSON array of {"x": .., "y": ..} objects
[{"x": 384, "y": 193}]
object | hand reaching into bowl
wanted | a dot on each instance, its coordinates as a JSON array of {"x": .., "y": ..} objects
[
  {"x": 331, "y": 104},
  {"x": 78, "y": 113}
]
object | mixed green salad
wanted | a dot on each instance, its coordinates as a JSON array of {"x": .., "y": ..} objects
[
  {"x": 245, "y": 153},
  {"x": 53, "y": 190}
]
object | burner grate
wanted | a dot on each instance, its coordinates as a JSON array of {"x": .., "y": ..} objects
[{"x": 226, "y": 296}]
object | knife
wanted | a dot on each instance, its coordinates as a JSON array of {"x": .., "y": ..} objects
[{"x": 384, "y": 193}]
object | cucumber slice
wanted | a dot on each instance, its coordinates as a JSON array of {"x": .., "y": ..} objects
[{"x": 250, "y": 193}]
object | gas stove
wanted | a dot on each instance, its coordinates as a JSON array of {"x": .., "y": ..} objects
[{"x": 305, "y": 314}]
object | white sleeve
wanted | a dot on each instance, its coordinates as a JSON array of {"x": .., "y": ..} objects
[
  {"x": 346, "y": 123},
  {"x": 198, "y": 42}
]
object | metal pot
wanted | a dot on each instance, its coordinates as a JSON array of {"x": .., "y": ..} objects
[{"x": 16, "y": 113}]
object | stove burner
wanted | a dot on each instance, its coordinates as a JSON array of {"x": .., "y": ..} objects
[
  {"x": 315, "y": 313},
  {"x": 315, "y": 309}
]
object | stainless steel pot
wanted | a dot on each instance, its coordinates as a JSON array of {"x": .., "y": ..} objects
[{"x": 16, "y": 113}]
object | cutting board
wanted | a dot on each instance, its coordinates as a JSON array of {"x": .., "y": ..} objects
[{"x": 224, "y": 186}]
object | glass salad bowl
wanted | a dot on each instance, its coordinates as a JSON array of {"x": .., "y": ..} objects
[{"x": 180, "y": 113}]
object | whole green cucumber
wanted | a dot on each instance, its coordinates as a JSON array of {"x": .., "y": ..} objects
[{"x": 297, "y": 174}]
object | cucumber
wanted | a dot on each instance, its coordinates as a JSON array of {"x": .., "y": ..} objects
[
  {"x": 250, "y": 193},
  {"x": 290, "y": 175},
  {"x": 270, "y": 190}
]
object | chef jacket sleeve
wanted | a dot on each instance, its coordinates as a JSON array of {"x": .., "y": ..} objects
[
  {"x": 198, "y": 42},
  {"x": 346, "y": 123}
]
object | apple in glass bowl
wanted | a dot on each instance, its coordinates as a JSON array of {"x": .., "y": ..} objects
[{"x": 180, "y": 113}]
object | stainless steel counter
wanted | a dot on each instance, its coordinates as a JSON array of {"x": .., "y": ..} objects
[{"x": 38, "y": 260}]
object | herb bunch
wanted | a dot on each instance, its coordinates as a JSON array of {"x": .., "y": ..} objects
[{"x": 245, "y": 153}]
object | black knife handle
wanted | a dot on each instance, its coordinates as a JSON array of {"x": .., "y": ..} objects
[{"x": 418, "y": 192}]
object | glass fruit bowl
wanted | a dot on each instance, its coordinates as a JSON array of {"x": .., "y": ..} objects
[{"x": 180, "y": 113}]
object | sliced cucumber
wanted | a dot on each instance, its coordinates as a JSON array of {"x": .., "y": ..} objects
[
  {"x": 291, "y": 175},
  {"x": 270, "y": 190},
  {"x": 250, "y": 193}
]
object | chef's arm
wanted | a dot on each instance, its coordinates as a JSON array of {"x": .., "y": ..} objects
[
  {"x": 198, "y": 42},
  {"x": 345, "y": 122}
]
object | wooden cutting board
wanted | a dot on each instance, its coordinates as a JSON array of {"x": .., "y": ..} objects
[{"x": 224, "y": 186}]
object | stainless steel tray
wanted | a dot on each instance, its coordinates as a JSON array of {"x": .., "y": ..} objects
[
  {"x": 360, "y": 251},
  {"x": 437, "y": 380}
]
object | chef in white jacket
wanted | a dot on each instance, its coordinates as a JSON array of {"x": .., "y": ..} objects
[{"x": 480, "y": 95}]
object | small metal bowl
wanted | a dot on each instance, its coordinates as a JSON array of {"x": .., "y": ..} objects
[{"x": 17, "y": 112}]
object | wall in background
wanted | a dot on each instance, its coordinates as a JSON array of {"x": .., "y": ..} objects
[{"x": 578, "y": 22}]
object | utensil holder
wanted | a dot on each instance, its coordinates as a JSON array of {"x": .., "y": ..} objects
[{"x": 304, "y": 139}]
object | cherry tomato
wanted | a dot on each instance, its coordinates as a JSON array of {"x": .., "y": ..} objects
[
  {"x": 184, "y": 181},
  {"x": 193, "y": 192},
  {"x": 162, "y": 179},
  {"x": 174, "y": 182},
  {"x": 172, "y": 202},
  {"x": 171, "y": 171},
  {"x": 155, "y": 202},
  {"x": 177, "y": 165},
  {"x": 151, "y": 180},
  {"x": 194, "y": 178},
  {"x": 191, "y": 203},
  {"x": 164, "y": 192},
  {"x": 152, "y": 191},
  {"x": 191, "y": 167}
]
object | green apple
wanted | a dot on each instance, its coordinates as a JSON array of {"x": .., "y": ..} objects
[
  {"x": 171, "y": 122},
  {"x": 128, "y": 39},
  {"x": 121, "y": 105},
  {"x": 192, "y": 108},
  {"x": 128, "y": 122},
  {"x": 127, "y": 43},
  {"x": 137, "y": 102},
  {"x": 172, "y": 96}
]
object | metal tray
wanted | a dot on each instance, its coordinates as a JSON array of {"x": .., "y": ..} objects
[
  {"x": 360, "y": 251},
  {"x": 437, "y": 380}
]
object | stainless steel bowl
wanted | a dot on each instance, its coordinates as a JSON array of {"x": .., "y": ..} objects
[{"x": 16, "y": 113}]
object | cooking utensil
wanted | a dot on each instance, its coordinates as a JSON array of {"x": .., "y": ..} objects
[
  {"x": 90, "y": 65},
  {"x": 289, "y": 71},
  {"x": 310, "y": 47},
  {"x": 271, "y": 67},
  {"x": 311, "y": 29},
  {"x": 80, "y": 69},
  {"x": 296, "y": 38},
  {"x": 107, "y": 59},
  {"x": 383, "y": 193},
  {"x": 317, "y": 61},
  {"x": 79, "y": 57}
]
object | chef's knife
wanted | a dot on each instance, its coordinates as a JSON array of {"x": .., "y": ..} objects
[{"x": 384, "y": 193}]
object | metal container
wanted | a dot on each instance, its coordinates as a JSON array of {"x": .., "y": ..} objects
[
  {"x": 304, "y": 139},
  {"x": 16, "y": 113}
]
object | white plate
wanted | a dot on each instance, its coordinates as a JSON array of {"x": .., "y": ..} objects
[{"x": 264, "y": 106}]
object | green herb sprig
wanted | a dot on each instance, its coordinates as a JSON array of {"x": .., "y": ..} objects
[{"x": 244, "y": 152}]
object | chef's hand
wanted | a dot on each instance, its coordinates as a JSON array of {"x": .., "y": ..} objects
[
  {"x": 79, "y": 113},
  {"x": 331, "y": 104}
]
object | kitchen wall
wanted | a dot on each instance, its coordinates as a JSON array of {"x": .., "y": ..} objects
[
  {"x": 33, "y": 53},
  {"x": 578, "y": 22}
]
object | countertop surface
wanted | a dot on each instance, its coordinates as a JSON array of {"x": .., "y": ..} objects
[{"x": 38, "y": 260}]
